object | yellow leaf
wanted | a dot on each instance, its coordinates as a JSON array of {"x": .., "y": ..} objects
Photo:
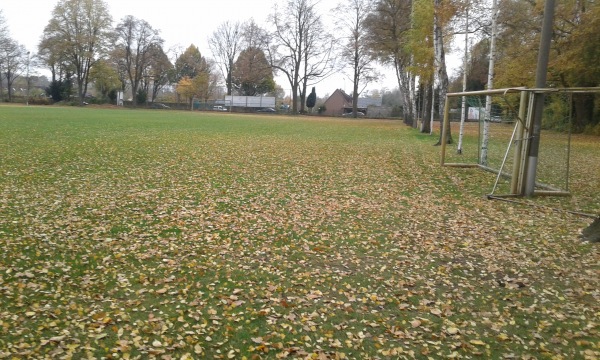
[
  {"x": 452, "y": 331},
  {"x": 502, "y": 337},
  {"x": 477, "y": 342}
]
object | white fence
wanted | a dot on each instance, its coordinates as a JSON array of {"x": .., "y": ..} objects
[{"x": 251, "y": 101}]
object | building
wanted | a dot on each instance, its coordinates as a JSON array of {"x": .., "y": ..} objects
[{"x": 340, "y": 103}]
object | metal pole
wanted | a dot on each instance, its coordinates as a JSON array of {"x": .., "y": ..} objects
[
  {"x": 444, "y": 130},
  {"x": 540, "y": 82},
  {"x": 28, "y": 61},
  {"x": 514, "y": 187}
]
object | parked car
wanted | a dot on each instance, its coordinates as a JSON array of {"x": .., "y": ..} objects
[
  {"x": 268, "y": 110},
  {"x": 351, "y": 114},
  {"x": 219, "y": 108},
  {"x": 160, "y": 106}
]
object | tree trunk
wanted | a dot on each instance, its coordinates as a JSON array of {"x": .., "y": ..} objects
[
  {"x": 413, "y": 103},
  {"x": 490, "y": 85},
  {"x": 426, "y": 112},
  {"x": 440, "y": 68},
  {"x": 463, "y": 107}
]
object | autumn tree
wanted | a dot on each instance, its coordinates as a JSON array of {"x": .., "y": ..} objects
[
  {"x": 252, "y": 74},
  {"x": 573, "y": 58},
  {"x": 80, "y": 32},
  {"x": 388, "y": 27},
  {"x": 225, "y": 44},
  {"x": 443, "y": 11},
  {"x": 197, "y": 86},
  {"x": 355, "y": 52},
  {"x": 577, "y": 59},
  {"x": 136, "y": 40},
  {"x": 105, "y": 78},
  {"x": 195, "y": 75},
  {"x": 190, "y": 64}
]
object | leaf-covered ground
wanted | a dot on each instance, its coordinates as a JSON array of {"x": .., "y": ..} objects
[{"x": 139, "y": 234}]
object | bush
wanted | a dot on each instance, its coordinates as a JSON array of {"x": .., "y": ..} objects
[
  {"x": 141, "y": 97},
  {"x": 591, "y": 129},
  {"x": 40, "y": 101}
]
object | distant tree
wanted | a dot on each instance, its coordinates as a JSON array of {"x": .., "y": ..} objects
[
  {"x": 60, "y": 90},
  {"x": 80, "y": 31},
  {"x": 159, "y": 72},
  {"x": 388, "y": 27},
  {"x": 190, "y": 88},
  {"x": 253, "y": 35},
  {"x": 225, "y": 44},
  {"x": 15, "y": 59},
  {"x": 3, "y": 29},
  {"x": 105, "y": 78},
  {"x": 190, "y": 64},
  {"x": 300, "y": 47},
  {"x": 252, "y": 74},
  {"x": 141, "y": 96},
  {"x": 137, "y": 40},
  {"x": 51, "y": 55},
  {"x": 4, "y": 37},
  {"x": 356, "y": 53},
  {"x": 311, "y": 100}
]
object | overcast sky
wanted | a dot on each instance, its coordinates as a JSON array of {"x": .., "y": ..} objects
[{"x": 181, "y": 23}]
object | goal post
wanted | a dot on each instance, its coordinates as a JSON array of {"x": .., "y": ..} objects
[{"x": 508, "y": 137}]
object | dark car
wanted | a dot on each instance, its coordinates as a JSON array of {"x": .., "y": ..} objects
[{"x": 267, "y": 110}]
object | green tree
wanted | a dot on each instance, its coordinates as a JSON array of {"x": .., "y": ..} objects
[
  {"x": 105, "y": 78},
  {"x": 80, "y": 32},
  {"x": 311, "y": 100}
]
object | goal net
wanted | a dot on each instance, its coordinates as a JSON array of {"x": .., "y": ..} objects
[{"x": 495, "y": 136}]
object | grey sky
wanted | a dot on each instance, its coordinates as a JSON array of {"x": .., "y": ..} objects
[{"x": 181, "y": 23}]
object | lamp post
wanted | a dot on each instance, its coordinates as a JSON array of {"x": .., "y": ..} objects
[{"x": 27, "y": 95}]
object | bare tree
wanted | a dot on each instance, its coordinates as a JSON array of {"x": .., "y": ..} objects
[
  {"x": 355, "y": 52},
  {"x": 81, "y": 31},
  {"x": 299, "y": 47},
  {"x": 136, "y": 39},
  {"x": 4, "y": 40},
  {"x": 225, "y": 45},
  {"x": 15, "y": 60}
]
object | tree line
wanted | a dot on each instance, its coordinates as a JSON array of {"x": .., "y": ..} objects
[{"x": 80, "y": 46}]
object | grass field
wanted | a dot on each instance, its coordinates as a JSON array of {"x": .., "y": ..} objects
[{"x": 151, "y": 234}]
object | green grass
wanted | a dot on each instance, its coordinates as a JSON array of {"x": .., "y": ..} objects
[{"x": 148, "y": 233}]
